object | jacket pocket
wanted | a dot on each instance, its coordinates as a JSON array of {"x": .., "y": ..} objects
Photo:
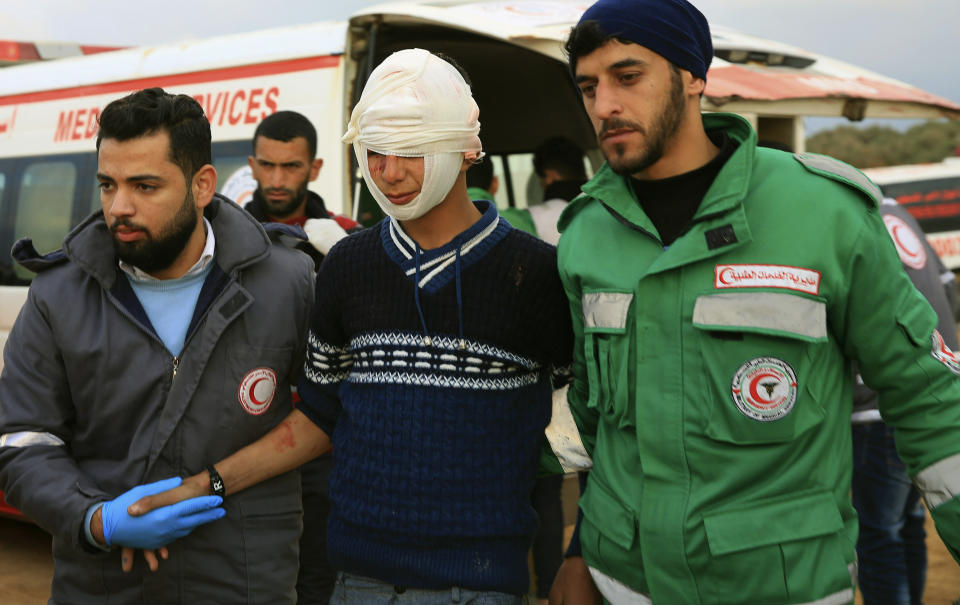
[
  {"x": 251, "y": 555},
  {"x": 607, "y": 354},
  {"x": 786, "y": 549},
  {"x": 916, "y": 321},
  {"x": 758, "y": 351},
  {"x": 608, "y": 533}
]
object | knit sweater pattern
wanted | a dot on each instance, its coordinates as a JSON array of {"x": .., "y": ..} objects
[{"x": 436, "y": 399}]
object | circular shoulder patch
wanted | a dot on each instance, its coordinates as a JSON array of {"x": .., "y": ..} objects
[
  {"x": 257, "y": 389},
  {"x": 908, "y": 243},
  {"x": 765, "y": 389},
  {"x": 942, "y": 353}
]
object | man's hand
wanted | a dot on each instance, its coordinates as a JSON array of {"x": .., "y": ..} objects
[
  {"x": 192, "y": 487},
  {"x": 573, "y": 584},
  {"x": 158, "y": 527},
  {"x": 197, "y": 486}
]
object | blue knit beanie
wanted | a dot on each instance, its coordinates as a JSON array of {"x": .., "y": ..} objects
[{"x": 674, "y": 29}]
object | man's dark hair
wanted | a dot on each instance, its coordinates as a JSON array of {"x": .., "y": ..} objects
[
  {"x": 463, "y": 73},
  {"x": 285, "y": 126},
  {"x": 585, "y": 38},
  {"x": 560, "y": 154},
  {"x": 153, "y": 110},
  {"x": 480, "y": 174}
]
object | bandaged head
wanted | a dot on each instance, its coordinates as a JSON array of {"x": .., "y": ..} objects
[{"x": 415, "y": 104}]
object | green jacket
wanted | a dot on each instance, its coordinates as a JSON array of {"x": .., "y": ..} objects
[
  {"x": 517, "y": 217},
  {"x": 521, "y": 219},
  {"x": 712, "y": 379}
]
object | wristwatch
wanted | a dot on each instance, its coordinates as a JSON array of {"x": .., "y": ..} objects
[{"x": 216, "y": 482}]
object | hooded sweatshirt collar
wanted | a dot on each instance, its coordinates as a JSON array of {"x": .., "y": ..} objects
[{"x": 436, "y": 267}]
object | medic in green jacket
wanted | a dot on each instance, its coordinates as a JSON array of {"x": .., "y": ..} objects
[
  {"x": 713, "y": 384},
  {"x": 719, "y": 294}
]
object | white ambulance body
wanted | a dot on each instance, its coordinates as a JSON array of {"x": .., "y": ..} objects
[{"x": 512, "y": 51}]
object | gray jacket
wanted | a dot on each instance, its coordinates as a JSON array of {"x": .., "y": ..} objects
[
  {"x": 90, "y": 406},
  {"x": 931, "y": 278}
]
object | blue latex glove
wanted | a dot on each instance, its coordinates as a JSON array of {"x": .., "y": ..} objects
[{"x": 158, "y": 527}]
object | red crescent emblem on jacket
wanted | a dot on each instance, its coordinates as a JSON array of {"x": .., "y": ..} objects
[
  {"x": 907, "y": 241},
  {"x": 764, "y": 388},
  {"x": 257, "y": 390}
]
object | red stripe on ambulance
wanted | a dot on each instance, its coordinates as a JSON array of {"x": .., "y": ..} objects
[
  {"x": 245, "y": 105},
  {"x": 197, "y": 77}
]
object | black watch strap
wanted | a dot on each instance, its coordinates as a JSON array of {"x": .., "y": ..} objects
[{"x": 216, "y": 482}]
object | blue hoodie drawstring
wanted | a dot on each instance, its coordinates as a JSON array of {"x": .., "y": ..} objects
[
  {"x": 463, "y": 342},
  {"x": 416, "y": 298},
  {"x": 427, "y": 340}
]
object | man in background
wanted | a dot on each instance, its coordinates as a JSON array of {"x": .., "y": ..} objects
[
  {"x": 558, "y": 163},
  {"x": 891, "y": 546},
  {"x": 283, "y": 164}
]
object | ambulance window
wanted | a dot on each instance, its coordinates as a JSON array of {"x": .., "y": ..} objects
[
  {"x": 43, "y": 208},
  {"x": 526, "y": 185},
  {"x": 95, "y": 205}
]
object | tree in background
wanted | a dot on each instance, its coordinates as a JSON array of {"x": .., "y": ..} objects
[{"x": 884, "y": 146}]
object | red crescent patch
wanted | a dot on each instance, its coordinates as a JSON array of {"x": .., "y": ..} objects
[
  {"x": 257, "y": 390},
  {"x": 908, "y": 243},
  {"x": 764, "y": 389}
]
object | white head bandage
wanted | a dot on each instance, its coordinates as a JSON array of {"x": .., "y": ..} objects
[{"x": 416, "y": 104}]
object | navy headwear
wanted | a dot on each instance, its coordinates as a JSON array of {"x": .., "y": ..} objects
[{"x": 674, "y": 29}]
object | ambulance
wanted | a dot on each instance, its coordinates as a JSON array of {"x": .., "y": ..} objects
[{"x": 512, "y": 51}]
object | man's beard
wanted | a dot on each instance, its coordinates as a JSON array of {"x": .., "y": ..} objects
[
  {"x": 283, "y": 208},
  {"x": 151, "y": 254},
  {"x": 664, "y": 127}
]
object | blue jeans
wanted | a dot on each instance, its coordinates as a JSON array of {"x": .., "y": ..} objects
[
  {"x": 358, "y": 590},
  {"x": 891, "y": 550}
]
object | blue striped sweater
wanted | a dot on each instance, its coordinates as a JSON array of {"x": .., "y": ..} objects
[{"x": 436, "y": 399}]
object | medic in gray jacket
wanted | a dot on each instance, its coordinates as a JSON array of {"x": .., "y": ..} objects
[{"x": 92, "y": 404}]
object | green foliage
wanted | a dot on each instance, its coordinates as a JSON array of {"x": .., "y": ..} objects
[{"x": 884, "y": 146}]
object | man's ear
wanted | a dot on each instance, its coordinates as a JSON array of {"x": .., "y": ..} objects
[
  {"x": 204, "y": 185},
  {"x": 494, "y": 185},
  {"x": 694, "y": 85},
  {"x": 315, "y": 167},
  {"x": 252, "y": 162}
]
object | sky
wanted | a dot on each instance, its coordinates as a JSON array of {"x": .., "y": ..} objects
[{"x": 915, "y": 41}]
